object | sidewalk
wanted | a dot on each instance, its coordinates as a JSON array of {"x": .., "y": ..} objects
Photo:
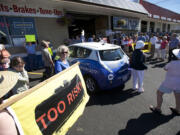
[{"x": 35, "y": 77}]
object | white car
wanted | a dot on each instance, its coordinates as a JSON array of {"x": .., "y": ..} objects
[{"x": 104, "y": 66}]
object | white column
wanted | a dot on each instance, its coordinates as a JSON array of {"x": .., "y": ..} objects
[{"x": 139, "y": 28}]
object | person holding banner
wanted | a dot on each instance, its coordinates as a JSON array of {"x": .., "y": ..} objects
[
  {"x": 62, "y": 63},
  {"x": 7, "y": 123},
  {"x": 17, "y": 65}
]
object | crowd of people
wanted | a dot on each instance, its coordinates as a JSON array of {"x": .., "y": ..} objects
[
  {"x": 160, "y": 45},
  {"x": 16, "y": 64},
  {"x": 170, "y": 84},
  {"x": 14, "y": 77}
]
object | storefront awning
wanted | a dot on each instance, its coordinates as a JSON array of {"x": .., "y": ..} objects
[{"x": 119, "y": 4}]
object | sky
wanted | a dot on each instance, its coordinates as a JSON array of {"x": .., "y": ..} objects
[{"x": 173, "y": 5}]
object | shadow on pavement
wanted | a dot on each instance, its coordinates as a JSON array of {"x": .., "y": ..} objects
[
  {"x": 154, "y": 62},
  {"x": 145, "y": 123},
  {"x": 160, "y": 65},
  {"x": 111, "y": 97}
]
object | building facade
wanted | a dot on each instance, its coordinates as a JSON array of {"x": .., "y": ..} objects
[
  {"x": 159, "y": 19},
  {"x": 60, "y": 20}
]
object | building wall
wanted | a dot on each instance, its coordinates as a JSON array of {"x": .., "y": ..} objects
[
  {"x": 49, "y": 28},
  {"x": 101, "y": 24},
  {"x": 44, "y": 17}
]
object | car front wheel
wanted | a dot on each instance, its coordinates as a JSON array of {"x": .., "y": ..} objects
[{"x": 91, "y": 84}]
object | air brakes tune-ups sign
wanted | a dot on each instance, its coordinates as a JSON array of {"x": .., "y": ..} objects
[
  {"x": 51, "y": 107},
  {"x": 26, "y": 10}
]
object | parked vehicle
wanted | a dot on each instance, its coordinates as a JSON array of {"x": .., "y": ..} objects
[{"x": 104, "y": 66}]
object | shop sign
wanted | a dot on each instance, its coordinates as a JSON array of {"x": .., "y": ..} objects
[
  {"x": 163, "y": 18},
  {"x": 30, "y": 38},
  {"x": 23, "y": 24},
  {"x": 156, "y": 16},
  {"x": 25, "y": 10}
]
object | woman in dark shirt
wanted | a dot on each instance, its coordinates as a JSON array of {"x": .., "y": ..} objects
[{"x": 138, "y": 66}]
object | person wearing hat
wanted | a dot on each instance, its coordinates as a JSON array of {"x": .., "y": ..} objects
[
  {"x": 138, "y": 66},
  {"x": 8, "y": 79},
  {"x": 170, "y": 84}
]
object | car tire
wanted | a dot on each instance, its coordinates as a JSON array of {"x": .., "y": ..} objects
[
  {"x": 122, "y": 86},
  {"x": 91, "y": 84}
]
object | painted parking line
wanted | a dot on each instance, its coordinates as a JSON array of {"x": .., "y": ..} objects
[{"x": 34, "y": 73}]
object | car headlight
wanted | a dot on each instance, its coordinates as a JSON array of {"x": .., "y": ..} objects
[{"x": 110, "y": 77}]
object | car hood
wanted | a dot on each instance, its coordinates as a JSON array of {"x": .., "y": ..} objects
[{"x": 115, "y": 65}]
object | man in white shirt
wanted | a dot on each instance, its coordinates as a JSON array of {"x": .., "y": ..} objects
[{"x": 153, "y": 41}]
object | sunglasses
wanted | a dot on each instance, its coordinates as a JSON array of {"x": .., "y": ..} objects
[{"x": 64, "y": 52}]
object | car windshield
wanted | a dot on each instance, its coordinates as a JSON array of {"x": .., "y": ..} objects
[{"x": 111, "y": 55}]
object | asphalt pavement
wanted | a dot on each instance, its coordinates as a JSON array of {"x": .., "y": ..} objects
[{"x": 125, "y": 112}]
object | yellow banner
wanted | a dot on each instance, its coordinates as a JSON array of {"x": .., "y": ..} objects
[
  {"x": 52, "y": 106},
  {"x": 30, "y": 38}
]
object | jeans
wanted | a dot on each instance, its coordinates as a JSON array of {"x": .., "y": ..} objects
[{"x": 31, "y": 62}]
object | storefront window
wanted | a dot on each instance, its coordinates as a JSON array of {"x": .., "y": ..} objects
[
  {"x": 164, "y": 27},
  {"x": 4, "y": 36},
  {"x": 143, "y": 26},
  {"x": 152, "y": 25},
  {"x": 16, "y": 28},
  {"x": 124, "y": 23},
  {"x": 168, "y": 28}
]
